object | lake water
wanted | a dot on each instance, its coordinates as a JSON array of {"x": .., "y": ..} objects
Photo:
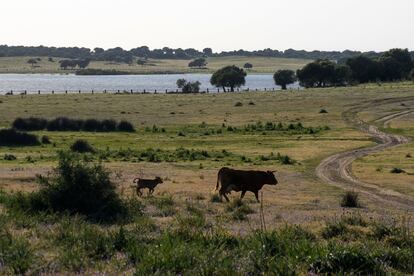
[{"x": 46, "y": 83}]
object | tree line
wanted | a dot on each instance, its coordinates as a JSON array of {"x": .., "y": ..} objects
[
  {"x": 127, "y": 56},
  {"x": 393, "y": 65}
]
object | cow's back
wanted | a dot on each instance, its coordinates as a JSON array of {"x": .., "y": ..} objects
[{"x": 242, "y": 180}]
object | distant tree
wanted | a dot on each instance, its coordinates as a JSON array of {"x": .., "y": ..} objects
[
  {"x": 284, "y": 77},
  {"x": 199, "y": 62},
  {"x": 50, "y": 59},
  {"x": 83, "y": 63},
  {"x": 141, "y": 62},
  {"x": 32, "y": 61},
  {"x": 98, "y": 51},
  {"x": 188, "y": 87},
  {"x": 390, "y": 69},
  {"x": 411, "y": 76},
  {"x": 65, "y": 63},
  {"x": 229, "y": 76},
  {"x": 248, "y": 65},
  {"x": 323, "y": 73},
  {"x": 208, "y": 52},
  {"x": 402, "y": 57},
  {"x": 364, "y": 69},
  {"x": 181, "y": 83}
]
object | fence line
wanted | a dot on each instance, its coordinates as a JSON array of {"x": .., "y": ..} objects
[{"x": 132, "y": 91}]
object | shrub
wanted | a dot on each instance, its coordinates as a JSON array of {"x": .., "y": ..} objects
[
  {"x": 68, "y": 124},
  {"x": 9, "y": 157},
  {"x": 238, "y": 104},
  {"x": 11, "y": 137},
  {"x": 91, "y": 125},
  {"x": 397, "y": 170},
  {"x": 45, "y": 139},
  {"x": 81, "y": 146},
  {"x": 29, "y": 124},
  {"x": 79, "y": 187},
  {"x": 322, "y": 111},
  {"x": 125, "y": 126},
  {"x": 408, "y": 155},
  {"x": 108, "y": 125},
  {"x": 350, "y": 200},
  {"x": 64, "y": 124}
]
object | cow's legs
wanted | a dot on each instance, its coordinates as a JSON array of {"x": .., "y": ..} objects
[
  {"x": 150, "y": 191},
  {"x": 225, "y": 196},
  {"x": 256, "y": 194},
  {"x": 139, "y": 193},
  {"x": 242, "y": 194}
]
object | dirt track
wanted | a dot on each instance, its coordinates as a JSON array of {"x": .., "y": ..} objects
[{"x": 336, "y": 169}]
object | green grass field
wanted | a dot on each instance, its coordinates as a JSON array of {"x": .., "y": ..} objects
[
  {"x": 261, "y": 65},
  {"x": 181, "y": 219}
]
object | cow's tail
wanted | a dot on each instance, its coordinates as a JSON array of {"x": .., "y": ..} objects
[{"x": 218, "y": 181}]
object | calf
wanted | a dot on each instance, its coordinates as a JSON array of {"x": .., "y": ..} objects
[{"x": 149, "y": 184}]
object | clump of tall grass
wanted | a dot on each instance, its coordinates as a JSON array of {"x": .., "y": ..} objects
[
  {"x": 238, "y": 209},
  {"x": 16, "y": 254},
  {"x": 283, "y": 159},
  {"x": 350, "y": 200}
]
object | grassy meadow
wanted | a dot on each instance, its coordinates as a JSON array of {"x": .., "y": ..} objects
[
  {"x": 300, "y": 227},
  {"x": 154, "y": 66}
]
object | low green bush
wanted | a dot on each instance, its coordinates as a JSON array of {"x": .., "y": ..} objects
[
  {"x": 397, "y": 170},
  {"x": 12, "y": 137},
  {"x": 76, "y": 187},
  {"x": 81, "y": 146},
  {"x": 69, "y": 124},
  {"x": 9, "y": 157}
]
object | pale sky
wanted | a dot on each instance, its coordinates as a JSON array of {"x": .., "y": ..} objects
[{"x": 220, "y": 24}]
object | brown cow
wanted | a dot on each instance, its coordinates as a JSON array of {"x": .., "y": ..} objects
[
  {"x": 150, "y": 184},
  {"x": 243, "y": 181}
]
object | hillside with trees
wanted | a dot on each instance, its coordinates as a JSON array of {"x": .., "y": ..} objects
[{"x": 121, "y": 55}]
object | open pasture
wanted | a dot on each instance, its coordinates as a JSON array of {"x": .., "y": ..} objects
[{"x": 186, "y": 139}]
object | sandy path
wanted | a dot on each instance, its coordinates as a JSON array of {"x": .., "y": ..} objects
[{"x": 336, "y": 169}]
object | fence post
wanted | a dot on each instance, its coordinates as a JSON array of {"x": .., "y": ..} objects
[
  {"x": 79, "y": 91},
  {"x": 38, "y": 92},
  {"x": 92, "y": 91},
  {"x": 53, "y": 92}
]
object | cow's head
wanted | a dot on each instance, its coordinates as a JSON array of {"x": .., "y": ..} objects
[
  {"x": 158, "y": 179},
  {"x": 271, "y": 179}
]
